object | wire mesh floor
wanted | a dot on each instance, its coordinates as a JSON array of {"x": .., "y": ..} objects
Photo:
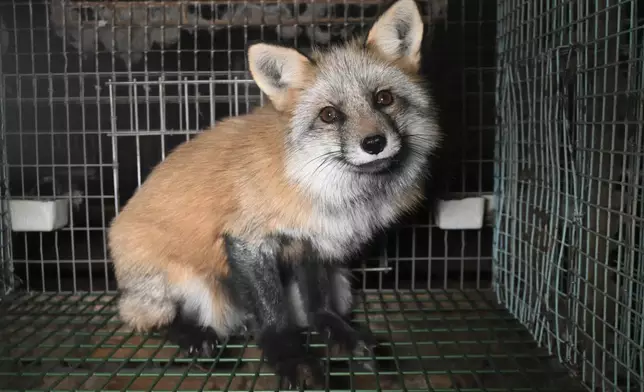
[{"x": 436, "y": 341}]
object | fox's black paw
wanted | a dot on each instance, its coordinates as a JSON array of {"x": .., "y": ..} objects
[
  {"x": 336, "y": 331},
  {"x": 194, "y": 340},
  {"x": 300, "y": 372},
  {"x": 284, "y": 352}
]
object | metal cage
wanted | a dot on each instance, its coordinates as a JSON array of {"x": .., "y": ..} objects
[
  {"x": 542, "y": 106},
  {"x": 62, "y": 57},
  {"x": 568, "y": 244}
]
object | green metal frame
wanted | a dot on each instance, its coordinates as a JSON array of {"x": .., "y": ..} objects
[
  {"x": 442, "y": 341},
  {"x": 568, "y": 255}
]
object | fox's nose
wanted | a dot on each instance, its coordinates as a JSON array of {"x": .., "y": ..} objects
[{"x": 373, "y": 144}]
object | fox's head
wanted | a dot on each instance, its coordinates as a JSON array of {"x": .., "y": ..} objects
[{"x": 361, "y": 118}]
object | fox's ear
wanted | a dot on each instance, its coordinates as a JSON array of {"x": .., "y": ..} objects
[
  {"x": 277, "y": 70},
  {"x": 398, "y": 33}
]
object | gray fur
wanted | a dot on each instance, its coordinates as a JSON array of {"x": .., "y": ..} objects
[
  {"x": 273, "y": 71},
  {"x": 332, "y": 283},
  {"x": 324, "y": 158},
  {"x": 257, "y": 286},
  {"x": 352, "y": 206},
  {"x": 255, "y": 280},
  {"x": 341, "y": 294},
  {"x": 403, "y": 28}
]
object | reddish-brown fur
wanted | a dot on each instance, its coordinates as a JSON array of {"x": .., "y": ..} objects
[
  {"x": 174, "y": 224},
  {"x": 199, "y": 192}
]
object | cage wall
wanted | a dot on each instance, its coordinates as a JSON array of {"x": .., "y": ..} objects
[
  {"x": 67, "y": 138},
  {"x": 569, "y": 258},
  {"x": 6, "y": 272}
]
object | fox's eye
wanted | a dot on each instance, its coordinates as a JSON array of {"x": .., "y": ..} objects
[
  {"x": 329, "y": 115},
  {"x": 384, "y": 98}
]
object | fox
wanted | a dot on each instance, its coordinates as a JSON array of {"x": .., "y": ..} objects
[{"x": 339, "y": 153}]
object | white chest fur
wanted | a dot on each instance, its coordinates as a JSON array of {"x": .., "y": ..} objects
[{"x": 338, "y": 234}]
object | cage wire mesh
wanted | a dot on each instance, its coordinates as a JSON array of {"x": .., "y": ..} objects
[
  {"x": 61, "y": 55},
  {"x": 93, "y": 94},
  {"x": 6, "y": 273},
  {"x": 568, "y": 246}
]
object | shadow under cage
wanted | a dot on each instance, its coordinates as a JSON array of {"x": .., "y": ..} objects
[{"x": 531, "y": 96}]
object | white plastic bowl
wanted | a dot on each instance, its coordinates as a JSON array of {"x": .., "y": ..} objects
[{"x": 38, "y": 215}]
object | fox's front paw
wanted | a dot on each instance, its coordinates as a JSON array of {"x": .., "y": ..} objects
[
  {"x": 338, "y": 332},
  {"x": 191, "y": 338},
  {"x": 284, "y": 351}
]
